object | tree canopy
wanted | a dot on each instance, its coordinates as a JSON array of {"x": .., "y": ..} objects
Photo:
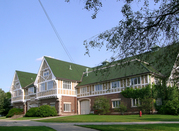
[{"x": 137, "y": 31}]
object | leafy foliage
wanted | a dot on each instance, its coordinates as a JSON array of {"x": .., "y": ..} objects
[
  {"x": 101, "y": 105},
  {"x": 31, "y": 112},
  {"x": 5, "y": 103},
  {"x": 139, "y": 30},
  {"x": 146, "y": 104},
  {"x": 45, "y": 111},
  {"x": 14, "y": 111},
  {"x": 122, "y": 108}
]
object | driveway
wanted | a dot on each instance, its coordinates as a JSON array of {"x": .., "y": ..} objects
[{"x": 71, "y": 126}]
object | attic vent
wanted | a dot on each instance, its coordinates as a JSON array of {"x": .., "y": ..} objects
[
  {"x": 86, "y": 71},
  {"x": 70, "y": 68},
  {"x": 104, "y": 63},
  {"x": 155, "y": 48}
]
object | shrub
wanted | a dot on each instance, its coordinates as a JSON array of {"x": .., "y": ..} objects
[
  {"x": 101, "y": 105},
  {"x": 122, "y": 108},
  {"x": 31, "y": 112},
  {"x": 45, "y": 111},
  {"x": 14, "y": 111}
]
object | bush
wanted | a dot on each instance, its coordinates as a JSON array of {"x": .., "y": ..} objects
[
  {"x": 45, "y": 111},
  {"x": 14, "y": 111},
  {"x": 31, "y": 112},
  {"x": 101, "y": 105},
  {"x": 122, "y": 108}
]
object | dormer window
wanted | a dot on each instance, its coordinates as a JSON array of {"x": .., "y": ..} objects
[
  {"x": 31, "y": 90},
  {"x": 45, "y": 73}
]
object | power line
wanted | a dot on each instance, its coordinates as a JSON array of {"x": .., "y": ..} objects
[{"x": 56, "y": 32}]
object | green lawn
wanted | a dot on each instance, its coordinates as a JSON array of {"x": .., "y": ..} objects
[
  {"x": 3, "y": 117},
  {"x": 25, "y": 128},
  {"x": 27, "y": 118},
  {"x": 112, "y": 118},
  {"x": 149, "y": 127}
]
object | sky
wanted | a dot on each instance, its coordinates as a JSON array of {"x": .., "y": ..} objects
[{"x": 26, "y": 34}]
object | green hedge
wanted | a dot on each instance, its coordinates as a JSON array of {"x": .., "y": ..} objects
[
  {"x": 42, "y": 111},
  {"x": 31, "y": 112},
  {"x": 14, "y": 111}
]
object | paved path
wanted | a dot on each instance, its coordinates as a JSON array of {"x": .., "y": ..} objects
[{"x": 71, "y": 126}]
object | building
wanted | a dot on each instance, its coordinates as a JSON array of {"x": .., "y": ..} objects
[{"x": 72, "y": 88}]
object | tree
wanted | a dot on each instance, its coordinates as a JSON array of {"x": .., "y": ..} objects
[
  {"x": 2, "y": 97},
  {"x": 101, "y": 105},
  {"x": 139, "y": 30},
  {"x": 4, "y": 102}
]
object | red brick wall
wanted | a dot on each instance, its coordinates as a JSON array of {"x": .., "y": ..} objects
[
  {"x": 126, "y": 101},
  {"x": 73, "y": 101}
]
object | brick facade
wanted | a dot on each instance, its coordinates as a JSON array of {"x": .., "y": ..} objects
[
  {"x": 73, "y": 101},
  {"x": 127, "y": 101}
]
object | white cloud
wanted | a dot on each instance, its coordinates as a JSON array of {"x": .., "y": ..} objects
[{"x": 40, "y": 59}]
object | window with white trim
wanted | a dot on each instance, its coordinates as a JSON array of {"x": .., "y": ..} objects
[
  {"x": 159, "y": 101},
  {"x": 31, "y": 90},
  {"x": 135, "y": 81},
  {"x": 52, "y": 104},
  {"x": 135, "y": 102},
  {"x": 115, "y": 84},
  {"x": 17, "y": 85},
  {"x": 19, "y": 92},
  {"x": 98, "y": 87},
  {"x": 45, "y": 73},
  {"x": 49, "y": 85},
  {"x": 67, "y": 107},
  {"x": 66, "y": 85},
  {"x": 115, "y": 104},
  {"x": 83, "y": 90},
  {"x": 42, "y": 87}
]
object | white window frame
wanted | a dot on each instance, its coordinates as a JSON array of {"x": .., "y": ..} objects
[
  {"x": 45, "y": 73},
  {"x": 83, "y": 90},
  {"x": 99, "y": 87},
  {"x": 49, "y": 88},
  {"x": 42, "y": 88},
  {"x": 133, "y": 80},
  {"x": 116, "y": 101},
  {"x": 31, "y": 92},
  {"x": 68, "y": 84},
  {"x": 134, "y": 102},
  {"x": 67, "y": 106},
  {"x": 115, "y": 82}
]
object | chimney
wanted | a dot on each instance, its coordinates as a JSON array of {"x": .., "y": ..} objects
[
  {"x": 70, "y": 68},
  {"x": 86, "y": 71}
]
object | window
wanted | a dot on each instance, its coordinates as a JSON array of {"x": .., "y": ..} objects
[
  {"x": 83, "y": 89},
  {"x": 50, "y": 85},
  {"x": 17, "y": 85},
  {"x": 98, "y": 87},
  {"x": 135, "y": 80},
  {"x": 115, "y": 104},
  {"x": 19, "y": 92},
  {"x": 115, "y": 84},
  {"x": 52, "y": 104},
  {"x": 45, "y": 73},
  {"x": 135, "y": 102},
  {"x": 67, "y": 107},
  {"x": 31, "y": 90},
  {"x": 66, "y": 85},
  {"x": 42, "y": 87},
  {"x": 159, "y": 102}
]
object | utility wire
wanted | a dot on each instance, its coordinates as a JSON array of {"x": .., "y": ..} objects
[
  {"x": 56, "y": 32},
  {"x": 58, "y": 36}
]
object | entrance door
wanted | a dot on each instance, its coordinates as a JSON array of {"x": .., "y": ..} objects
[{"x": 85, "y": 108}]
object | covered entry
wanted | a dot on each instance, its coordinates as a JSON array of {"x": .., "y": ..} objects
[{"x": 85, "y": 107}]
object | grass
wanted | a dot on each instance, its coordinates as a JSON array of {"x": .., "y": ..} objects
[
  {"x": 3, "y": 117},
  {"x": 27, "y": 118},
  {"x": 112, "y": 118},
  {"x": 148, "y": 127},
  {"x": 25, "y": 128}
]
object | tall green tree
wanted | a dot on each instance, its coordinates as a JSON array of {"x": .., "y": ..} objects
[{"x": 2, "y": 97}]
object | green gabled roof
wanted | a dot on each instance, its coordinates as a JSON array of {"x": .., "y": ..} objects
[
  {"x": 159, "y": 62},
  {"x": 26, "y": 78},
  {"x": 115, "y": 72},
  {"x": 61, "y": 69}
]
